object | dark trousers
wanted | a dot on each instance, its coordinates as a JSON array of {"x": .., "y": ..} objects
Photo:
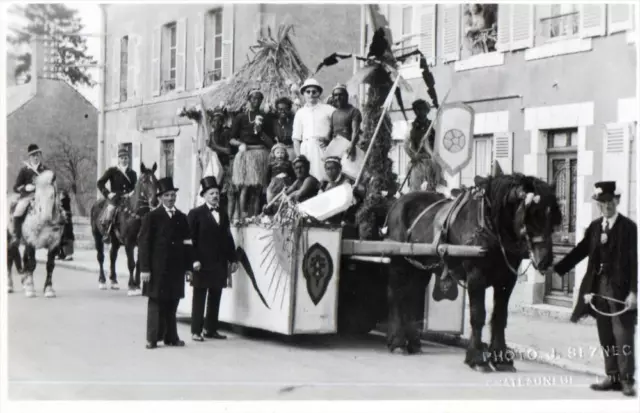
[
  {"x": 161, "y": 320},
  {"x": 616, "y": 337},
  {"x": 198, "y": 321}
]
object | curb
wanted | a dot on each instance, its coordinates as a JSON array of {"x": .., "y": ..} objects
[{"x": 522, "y": 353}]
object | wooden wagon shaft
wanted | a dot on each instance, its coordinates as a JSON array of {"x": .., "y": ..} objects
[{"x": 356, "y": 247}]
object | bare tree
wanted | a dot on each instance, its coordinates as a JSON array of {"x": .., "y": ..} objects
[{"x": 73, "y": 163}]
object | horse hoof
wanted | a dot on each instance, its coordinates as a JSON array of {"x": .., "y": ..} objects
[
  {"x": 102, "y": 286},
  {"x": 49, "y": 293},
  {"x": 30, "y": 294},
  {"x": 114, "y": 286},
  {"x": 482, "y": 368},
  {"x": 504, "y": 368},
  {"x": 10, "y": 289},
  {"x": 134, "y": 292}
]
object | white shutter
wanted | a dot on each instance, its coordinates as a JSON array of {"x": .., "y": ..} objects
[
  {"x": 227, "y": 40},
  {"x": 138, "y": 59},
  {"x": 131, "y": 66},
  {"x": 198, "y": 47},
  {"x": 522, "y": 26},
  {"x": 504, "y": 27},
  {"x": 616, "y": 159},
  {"x": 427, "y": 39},
  {"x": 451, "y": 32},
  {"x": 620, "y": 17},
  {"x": 592, "y": 20},
  {"x": 156, "y": 45},
  {"x": 503, "y": 150},
  {"x": 181, "y": 50},
  {"x": 115, "y": 71},
  {"x": 113, "y": 154},
  {"x": 136, "y": 157}
]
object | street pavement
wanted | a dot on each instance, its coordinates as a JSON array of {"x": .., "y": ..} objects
[{"x": 88, "y": 344}]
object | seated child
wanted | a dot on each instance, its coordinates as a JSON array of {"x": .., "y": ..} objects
[{"x": 280, "y": 174}]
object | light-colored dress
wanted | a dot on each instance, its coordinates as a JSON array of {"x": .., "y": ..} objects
[{"x": 312, "y": 123}]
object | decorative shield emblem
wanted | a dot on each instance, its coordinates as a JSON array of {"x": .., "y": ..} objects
[
  {"x": 454, "y": 133},
  {"x": 317, "y": 268}
]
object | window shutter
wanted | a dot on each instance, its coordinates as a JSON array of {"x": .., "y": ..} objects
[
  {"x": 503, "y": 151},
  {"x": 181, "y": 49},
  {"x": 592, "y": 20},
  {"x": 198, "y": 47},
  {"x": 227, "y": 40},
  {"x": 115, "y": 72},
  {"x": 138, "y": 58},
  {"x": 427, "y": 39},
  {"x": 521, "y": 26},
  {"x": 504, "y": 27},
  {"x": 451, "y": 32},
  {"x": 620, "y": 17},
  {"x": 131, "y": 66},
  {"x": 113, "y": 155},
  {"x": 136, "y": 157},
  {"x": 156, "y": 44},
  {"x": 616, "y": 160}
]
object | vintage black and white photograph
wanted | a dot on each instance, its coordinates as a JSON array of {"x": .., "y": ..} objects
[{"x": 306, "y": 201}]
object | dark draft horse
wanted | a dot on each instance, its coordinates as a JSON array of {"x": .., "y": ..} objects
[
  {"x": 511, "y": 216},
  {"x": 128, "y": 219}
]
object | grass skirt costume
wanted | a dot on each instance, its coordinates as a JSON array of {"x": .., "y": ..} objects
[{"x": 250, "y": 167}]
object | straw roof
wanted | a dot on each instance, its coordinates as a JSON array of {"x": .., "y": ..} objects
[{"x": 276, "y": 69}]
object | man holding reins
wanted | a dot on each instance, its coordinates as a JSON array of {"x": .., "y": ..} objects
[{"x": 611, "y": 281}]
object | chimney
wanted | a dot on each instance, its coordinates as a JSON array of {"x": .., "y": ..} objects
[{"x": 42, "y": 64}]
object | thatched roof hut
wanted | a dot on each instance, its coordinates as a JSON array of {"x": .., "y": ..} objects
[{"x": 276, "y": 69}]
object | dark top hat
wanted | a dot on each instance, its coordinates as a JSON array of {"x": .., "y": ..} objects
[
  {"x": 165, "y": 185},
  {"x": 207, "y": 183},
  {"x": 605, "y": 191},
  {"x": 33, "y": 148}
]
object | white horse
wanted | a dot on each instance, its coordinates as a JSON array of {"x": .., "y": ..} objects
[{"x": 42, "y": 228}]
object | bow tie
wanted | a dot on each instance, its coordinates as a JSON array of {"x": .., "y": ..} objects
[{"x": 214, "y": 209}]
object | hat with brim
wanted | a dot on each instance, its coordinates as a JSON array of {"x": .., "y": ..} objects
[
  {"x": 33, "y": 149},
  {"x": 166, "y": 185},
  {"x": 207, "y": 183},
  {"x": 605, "y": 191},
  {"x": 123, "y": 152},
  {"x": 311, "y": 83},
  {"x": 332, "y": 159}
]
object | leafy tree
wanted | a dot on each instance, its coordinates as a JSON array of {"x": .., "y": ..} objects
[{"x": 61, "y": 26}]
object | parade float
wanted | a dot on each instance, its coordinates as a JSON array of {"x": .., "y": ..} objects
[{"x": 299, "y": 275}]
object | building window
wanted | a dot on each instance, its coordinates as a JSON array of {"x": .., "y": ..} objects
[
  {"x": 169, "y": 49},
  {"x": 167, "y": 158},
  {"x": 213, "y": 47},
  {"x": 480, "y": 29},
  {"x": 405, "y": 16},
  {"x": 562, "y": 160},
  {"x": 561, "y": 23},
  {"x": 482, "y": 155},
  {"x": 124, "y": 67}
]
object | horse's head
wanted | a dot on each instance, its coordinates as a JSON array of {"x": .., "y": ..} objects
[
  {"x": 537, "y": 214},
  {"x": 146, "y": 188}
]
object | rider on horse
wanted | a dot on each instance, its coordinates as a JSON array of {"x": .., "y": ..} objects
[
  {"x": 25, "y": 186},
  {"x": 122, "y": 181}
]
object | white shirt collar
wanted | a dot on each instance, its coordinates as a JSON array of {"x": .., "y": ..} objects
[
  {"x": 172, "y": 210},
  {"x": 611, "y": 220}
]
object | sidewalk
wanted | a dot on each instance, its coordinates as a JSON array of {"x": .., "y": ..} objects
[{"x": 573, "y": 347}]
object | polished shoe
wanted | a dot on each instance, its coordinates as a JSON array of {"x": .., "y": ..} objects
[
  {"x": 197, "y": 337},
  {"x": 151, "y": 346},
  {"x": 177, "y": 343},
  {"x": 606, "y": 385},
  {"x": 214, "y": 335},
  {"x": 628, "y": 390}
]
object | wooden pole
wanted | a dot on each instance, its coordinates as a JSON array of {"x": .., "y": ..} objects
[{"x": 390, "y": 248}]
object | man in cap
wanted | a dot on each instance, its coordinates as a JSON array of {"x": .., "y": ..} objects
[
  {"x": 346, "y": 119},
  {"x": 312, "y": 127},
  {"x": 164, "y": 254},
  {"x": 122, "y": 181},
  {"x": 250, "y": 134},
  {"x": 214, "y": 256},
  {"x": 334, "y": 175},
  {"x": 610, "y": 243},
  {"x": 25, "y": 186}
]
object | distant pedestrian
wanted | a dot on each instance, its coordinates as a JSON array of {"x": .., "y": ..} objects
[
  {"x": 610, "y": 242},
  {"x": 66, "y": 244},
  {"x": 164, "y": 246},
  {"x": 213, "y": 259}
]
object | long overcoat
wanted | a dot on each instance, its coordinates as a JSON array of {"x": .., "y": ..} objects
[
  {"x": 213, "y": 247},
  {"x": 164, "y": 246},
  {"x": 623, "y": 276}
]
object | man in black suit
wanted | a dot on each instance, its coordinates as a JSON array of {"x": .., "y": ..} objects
[
  {"x": 164, "y": 253},
  {"x": 213, "y": 257},
  {"x": 610, "y": 243}
]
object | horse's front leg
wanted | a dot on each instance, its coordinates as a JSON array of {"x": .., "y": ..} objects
[
  {"x": 29, "y": 263},
  {"x": 417, "y": 282},
  {"x": 396, "y": 295},
  {"x": 99, "y": 244},
  {"x": 113, "y": 256},
  {"x": 134, "y": 288},
  {"x": 477, "y": 353},
  {"x": 501, "y": 357},
  {"x": 51, "y": 264},
  {"x": 9, "y": 276}
]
